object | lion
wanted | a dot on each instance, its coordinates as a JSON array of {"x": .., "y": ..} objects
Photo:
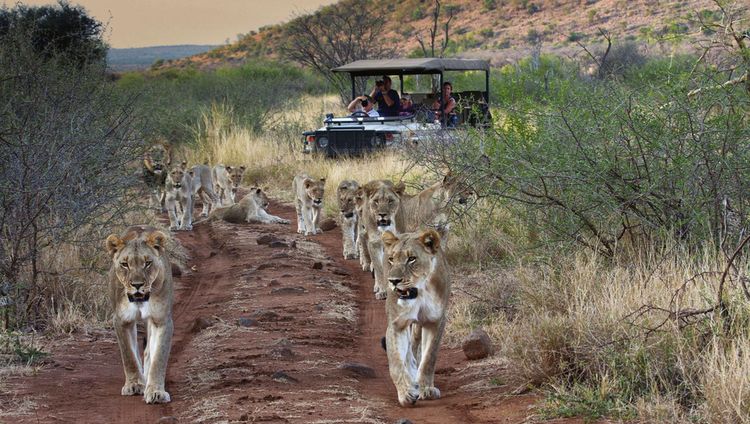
[
  {"x": 360, "y": 199},
  {"x": 416, "y": 307},
  {"x": 156, "y": 161},
  {"x": 380, "y": 213},
  {"x": 431, "y": 206},
  {"x": 179, "y": 198},
  {"x": 140, "y": 283},
  {"x": 203, "y": 186},
  {"x": 251, "y": 208},
  {"x": 227, "y": 180},
  {"x": 308, "y": 202},
  {"x": 346, "y": 195}
]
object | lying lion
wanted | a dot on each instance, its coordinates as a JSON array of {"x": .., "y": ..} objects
[
  {"x": 140, "y": 284},
  {"x": 252, "y": 208},
  {"x": 416, "y": 306}
]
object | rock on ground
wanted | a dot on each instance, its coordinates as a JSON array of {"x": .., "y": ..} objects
[{"x": 477, "y": 345}]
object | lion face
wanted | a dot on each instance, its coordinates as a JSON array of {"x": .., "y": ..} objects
[
  {"x": 156, "y": 159},
  {"x": 412, "y": 258},
  {"x": 383, "y": 202},
  {"x": 315, "y": 191},
  {"x": 260, "y": 197},
  {"x": 347, "y": 198},
  {"x": 136, "y": 261},
  {"x": 234, "y": 175},
  {"x": 176, "y": 175},
  {"x": 458, "y": 190}
]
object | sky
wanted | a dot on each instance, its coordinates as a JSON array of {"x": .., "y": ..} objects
[{"x": 140, "y": 23}]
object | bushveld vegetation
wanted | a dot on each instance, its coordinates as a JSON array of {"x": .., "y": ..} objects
[{"x": 606, "y": 252}]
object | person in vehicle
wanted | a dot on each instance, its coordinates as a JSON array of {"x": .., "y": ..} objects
[
  {"x": 386, "y": 97},
  {"x": 448, "y": 107},
  {"x": 407, "y": 107},
  {"x": 363, "y": 105}
]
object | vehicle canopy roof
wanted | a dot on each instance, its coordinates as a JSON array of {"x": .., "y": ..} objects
[{"x": 428, "y": 65}]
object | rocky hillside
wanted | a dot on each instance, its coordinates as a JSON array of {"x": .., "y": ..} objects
[{"x": 502, "y": 30}]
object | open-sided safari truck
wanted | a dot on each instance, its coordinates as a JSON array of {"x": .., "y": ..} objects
[{"x": 421, "y": 78}]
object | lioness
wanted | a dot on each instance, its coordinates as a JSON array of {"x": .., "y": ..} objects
[
  {"x": 308, "y": 202},
  {"x": 179, "y": 189},
  {"x": 203, "y": 186},
  {"x": 346, "y": 196},
  {"x": 140, "y": 284},
  {"x": 416, "y": 306},
  {"x": 380, "y": 213},
  {"x": 156, "y": 160},
  {"x": 252, "y": 208},
  {"x": 431, "y": 206},
  {"x": 227, "y": 180}
]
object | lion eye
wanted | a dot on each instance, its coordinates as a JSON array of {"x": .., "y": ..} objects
[
  {"x": 147, "y": 264},
  {"x": 124, "y": 265},
  {"x": 411, "y": 259}
]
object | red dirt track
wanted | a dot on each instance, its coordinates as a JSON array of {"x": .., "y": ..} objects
[{"x": 283, "y": 366}]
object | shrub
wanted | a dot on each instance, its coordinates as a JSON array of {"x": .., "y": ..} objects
[{"x": 576, "y": 36}]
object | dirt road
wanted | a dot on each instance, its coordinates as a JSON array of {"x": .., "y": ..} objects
[{"x": 270, "y": 326}]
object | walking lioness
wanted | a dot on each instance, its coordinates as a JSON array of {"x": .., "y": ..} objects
[
  {"x": 416, "y": 305},
  {"x": 140, "y": 284},
  {"x": 308, "y": 195},
  {"x": 346, "y": 195}
]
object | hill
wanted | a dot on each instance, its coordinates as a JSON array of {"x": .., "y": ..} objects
[
  {"x": 144, "y": 57},
  {"x": 499, "y": 30}
]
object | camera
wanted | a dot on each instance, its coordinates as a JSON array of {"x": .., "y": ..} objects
[
  {"x": 379, "y": 83},
  {"x": 365, "y": 102}
]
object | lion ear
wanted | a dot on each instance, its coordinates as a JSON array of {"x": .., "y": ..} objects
[
  {"x": 183, "y": 165},
  {"x": 430, "y": 239},
  {"x": 228, "y": 168},
  {"x": 157, "y": 240},
  {"x": 389, "y": 239},
  {"x": 323, "y": 180},
  {"x": 113, "y": 244},
  {"x": 400, "y": 188},
  {"x": 242, "y": 168},
  {"x": 258, "y": 190},
  {"x": 308, "y": 183}
]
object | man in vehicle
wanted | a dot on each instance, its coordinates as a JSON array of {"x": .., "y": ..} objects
[
  {"x": 386, "y": 97},
  {"x": 362, "y": 106},
  {"x": 407, "y": 107}
]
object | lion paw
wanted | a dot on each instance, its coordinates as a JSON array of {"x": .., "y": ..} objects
[
  {"x": 174, "y": 227},
  {"x": 365, "y": 266},
  {"x": 351, "y": 256},
  {"x": 284, "y": 221},
  {"x": 187, "y": 227},
  {"x": 156, "y": 396},
  {"x": 408, "y": 397},
  {"x": 381, "y": 294},
  {"x": 429, "y": 392},
  {"x": 130, "y": 389}
]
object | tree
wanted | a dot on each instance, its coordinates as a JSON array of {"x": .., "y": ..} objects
[
  {"x": 67, "y": 144},
  {"x": 434, "y": 31},
  {"x": 336, "y": 35},
  {"x": 57, "y": 30}
]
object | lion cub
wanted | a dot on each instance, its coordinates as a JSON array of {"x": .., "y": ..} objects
[
  {"x": 347, "y": 198},
  {"x": 140, "y": 285},
  {"x": 309, "y": 202},
  {"x": 416, "y": 306}
]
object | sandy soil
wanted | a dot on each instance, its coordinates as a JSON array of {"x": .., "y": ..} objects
[{"x": 262, "y": 334}]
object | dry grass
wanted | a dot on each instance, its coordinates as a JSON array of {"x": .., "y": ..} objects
[{"x": 564, "y": 320}]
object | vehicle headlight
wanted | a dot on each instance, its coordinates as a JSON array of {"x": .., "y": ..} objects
[{"x": 323, "y": 142}]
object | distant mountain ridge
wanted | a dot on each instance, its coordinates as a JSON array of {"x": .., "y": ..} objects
[
  {"x": 143, "y": 57},
  {"x": 501, "y": 30}
]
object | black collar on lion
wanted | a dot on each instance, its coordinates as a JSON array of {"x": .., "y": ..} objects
[
  {"x": 143, "y": 298},
  {"x": 410, "y": 293}
]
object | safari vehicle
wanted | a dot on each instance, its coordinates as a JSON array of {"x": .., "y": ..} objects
[{"x": 358, "y": 133}]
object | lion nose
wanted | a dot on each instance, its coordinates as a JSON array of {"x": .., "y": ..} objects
[
  {"x": 137, "y": 286},
  {"x": 395, "y": 281}
]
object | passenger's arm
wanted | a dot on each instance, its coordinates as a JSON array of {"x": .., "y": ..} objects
[
  {"x": 450, "y": 106},
  {"x": 353, "y": 105}
]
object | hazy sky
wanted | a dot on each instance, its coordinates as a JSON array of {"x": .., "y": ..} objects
[{"x": 138, "y": 23}]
